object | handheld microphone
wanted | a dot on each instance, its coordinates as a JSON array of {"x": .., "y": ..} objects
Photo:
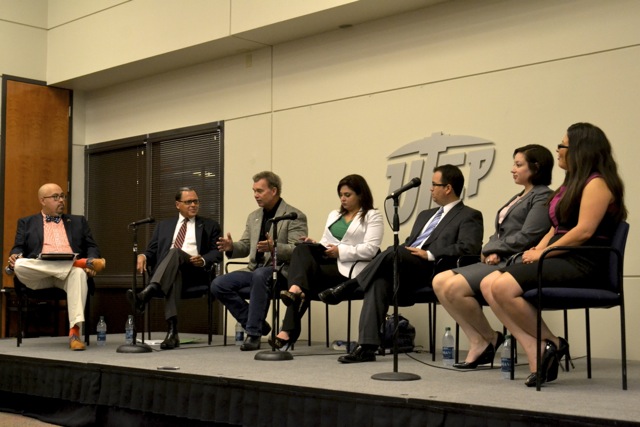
[
  {"x": 291, "y": 215},
  {"x": 415, "y": 182},
  {"x": 143, "y": 221}
]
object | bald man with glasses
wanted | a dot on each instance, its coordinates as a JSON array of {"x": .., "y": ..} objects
[{"x": 51, "y": 231}]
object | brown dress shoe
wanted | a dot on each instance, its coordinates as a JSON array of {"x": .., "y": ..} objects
[{"x": 75, "y": 343}]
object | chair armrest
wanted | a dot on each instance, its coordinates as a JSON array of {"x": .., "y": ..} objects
[
  {"x": 465, "y": 260},
  {"x": 226, "y": 266}
]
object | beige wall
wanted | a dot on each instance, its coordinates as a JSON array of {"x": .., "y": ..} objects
[{"x": 340, "y": 102}]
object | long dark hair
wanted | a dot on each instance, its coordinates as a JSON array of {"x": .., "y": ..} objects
[
  {"x": 359, "y": 186},
  {"x": 589, "y": 152}
]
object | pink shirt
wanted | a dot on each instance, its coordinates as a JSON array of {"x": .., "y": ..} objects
[{"x": 55, "y": 237}]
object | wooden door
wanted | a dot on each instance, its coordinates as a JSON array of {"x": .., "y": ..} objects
[{"x": 36, "y": 149}]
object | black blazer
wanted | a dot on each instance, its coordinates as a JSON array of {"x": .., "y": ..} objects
[
  {"x": 30, "y": 236},
  {"x": 207, "y": 234},
  {"x": 458, "y": 233}
]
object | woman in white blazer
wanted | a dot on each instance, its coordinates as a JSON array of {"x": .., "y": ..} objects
[{"x": 352, "y": 236}]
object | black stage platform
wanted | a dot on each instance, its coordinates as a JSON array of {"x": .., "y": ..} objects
[{"x": 220, "y": 386}]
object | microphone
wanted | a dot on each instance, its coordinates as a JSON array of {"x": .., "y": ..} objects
[
  {"x": 143, "y": 221},
  {"x": 415, "y": 182},
  {"x": 291, "y": 215}
]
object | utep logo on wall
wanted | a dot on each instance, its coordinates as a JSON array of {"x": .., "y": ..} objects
[{"x": 437, "y": 149}]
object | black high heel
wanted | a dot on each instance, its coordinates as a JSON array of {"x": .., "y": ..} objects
[
  {"x": 563, "y": 351},
  {"x": 289, "y": 298},
  {"x": 485, "y": 357},
  {"x": 548, "y": 366},
  {"x": 281, "y": 344},
  {"x": 499, "y": 341}
]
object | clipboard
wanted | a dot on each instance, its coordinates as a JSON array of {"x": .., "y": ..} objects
[{"x": 57, "y": 256}]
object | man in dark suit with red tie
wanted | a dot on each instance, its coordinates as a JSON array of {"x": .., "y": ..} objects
[
  {"x": 451, "y": 230},
  {"x": 182, "y": 250}
]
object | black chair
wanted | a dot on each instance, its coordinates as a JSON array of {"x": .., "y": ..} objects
[
  {"x": 195, "y": 287},
  {"x": 26, "y": 294},
  {"x": 610, "y": 295}
]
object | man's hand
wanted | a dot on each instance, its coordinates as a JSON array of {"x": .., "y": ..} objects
[
  {"x": 265, "y": 245},
  {"x": 225, "y": 244},
  {"x": 141, "y": 264},
  {"x": 418, "y": 252},
  {"x": 12, "y": 260},
  {"x": 197, "y": 261}
]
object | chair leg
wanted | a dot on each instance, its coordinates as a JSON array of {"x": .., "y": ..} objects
[
  {"x": 309, "y": 325},
  {"x": 457, "y": 359},
  {"x": 348, "y": 324},
  {"x": 586, "y": 318},
  {"x": 326, "y": 329},
  {"x": 209, "y": 317},
  {"x": 87, "y": 316},
  {"x": 224, "y": 328},
  {"x": 623, "y": 343},
  {"x": 566, "y": 336},
  {"x": 433, "y": 333}
]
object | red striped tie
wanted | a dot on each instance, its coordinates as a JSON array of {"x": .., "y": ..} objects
[{"x": 181, "y": 234}]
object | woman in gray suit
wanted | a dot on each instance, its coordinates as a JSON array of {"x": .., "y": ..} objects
[
  {"x": 352, "y": 237},
  {"x": 520, "y": 224}
]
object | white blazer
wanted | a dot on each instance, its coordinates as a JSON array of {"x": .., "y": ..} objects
[{"x": 360, "y": 243}]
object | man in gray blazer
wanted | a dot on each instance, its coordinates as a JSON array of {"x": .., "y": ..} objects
[
  {"x": 451, "y": 230},
  {"x": 256, "y": 242}
]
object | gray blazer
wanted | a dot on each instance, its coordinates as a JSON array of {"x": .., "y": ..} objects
[
  {"x": 524, "y": 225},
  {"x": 289, "y": 233}
]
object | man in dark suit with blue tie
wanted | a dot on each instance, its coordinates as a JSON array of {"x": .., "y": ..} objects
[
  {"x": 182, "y": 250},
  {"x": 449, "y": 231}
]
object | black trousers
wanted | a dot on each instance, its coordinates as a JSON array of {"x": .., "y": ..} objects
[
  {"x": 313, "y": 273},
  {"x": 377, "y": 282}
]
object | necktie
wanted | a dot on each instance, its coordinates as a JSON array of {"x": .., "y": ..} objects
[
  {"x": 55, "y": 219},
  {"x": 427, "y": 232},
  {"x": 181, "y": 234}
]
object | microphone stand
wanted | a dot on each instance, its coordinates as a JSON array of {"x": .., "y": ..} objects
[
  {"x": 134, "y": 347},
  {"x": 395, "y": 375},
  {"x": 274, "y": 354}
]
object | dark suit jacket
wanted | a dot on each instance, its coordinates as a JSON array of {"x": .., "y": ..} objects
[
  {"x": 458, "y": 233},
  {"x": 207, "y": 234},
  {"x": 30, "y": 236}
]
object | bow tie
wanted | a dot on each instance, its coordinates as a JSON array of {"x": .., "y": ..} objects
[{"x": 55, "y": 219}]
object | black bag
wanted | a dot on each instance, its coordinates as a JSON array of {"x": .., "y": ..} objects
[{"x": 406, "y": 335}]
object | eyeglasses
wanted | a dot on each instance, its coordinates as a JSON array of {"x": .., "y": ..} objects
[
  {"x": 56, "y": 197},
  {"x": 433, "y": 184},
  {"x": 191, "y": 202},
  {"x": 561, "y": 146}
]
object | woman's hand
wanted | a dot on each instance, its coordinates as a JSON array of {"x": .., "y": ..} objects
[
  {"x": 332, "y": 251},
  {"x": 492, "y": 259},
  {"x": 531, "y": 256}
]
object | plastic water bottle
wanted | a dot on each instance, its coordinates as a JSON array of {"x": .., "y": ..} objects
[
  {"x": 344, "y": 345},
  {"x": 128, "y": 330},
  {"x": 239, "y": 334},
  {"x": 448, "y": 344},
  {"x": 505, "y": 359},
  {"x": 102, "y": 331}
]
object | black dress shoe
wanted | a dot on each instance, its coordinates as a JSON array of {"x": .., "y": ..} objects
[
  {"x": 337, "y": 294},
  {"x": 137, "y": 306},
  {"x": 362, "y": 353},
  {"x": 266, "y": 328},
  {"x": 251, "y": 343},
  {"x": 172, "y": 340},
  {"x": 139, "y": 301},
  {"x": 485, "y": 357}
]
